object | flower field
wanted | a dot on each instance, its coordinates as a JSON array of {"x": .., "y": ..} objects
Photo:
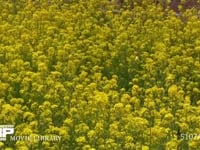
[{"x": 99, "y": 74}]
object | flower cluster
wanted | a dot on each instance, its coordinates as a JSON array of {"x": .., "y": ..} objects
[{"x": 102, "y": 77}]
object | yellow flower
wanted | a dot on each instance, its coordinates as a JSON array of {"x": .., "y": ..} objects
[
  {"x": 1, "y": 144},
  {"x": 101, "y": 98},
  {"x": 172, "y": 145},
  {"x": 91, "y": 134},
  {"x": 129, "y": 146},
  {"x": 8, "y": 148},
  {"x": 145, "y": 147},
  {"x": 118, "y": 106},
  {"x": 28, "y": 116},
  {"x": 81, "y": 140},
  {"x": 168, "y": 117},
  {"x": 173, "y": 91},
  {"x": 68, "y": 122}
]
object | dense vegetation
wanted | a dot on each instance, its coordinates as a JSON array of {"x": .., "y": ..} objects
[{"x": 102, "y": 76}]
